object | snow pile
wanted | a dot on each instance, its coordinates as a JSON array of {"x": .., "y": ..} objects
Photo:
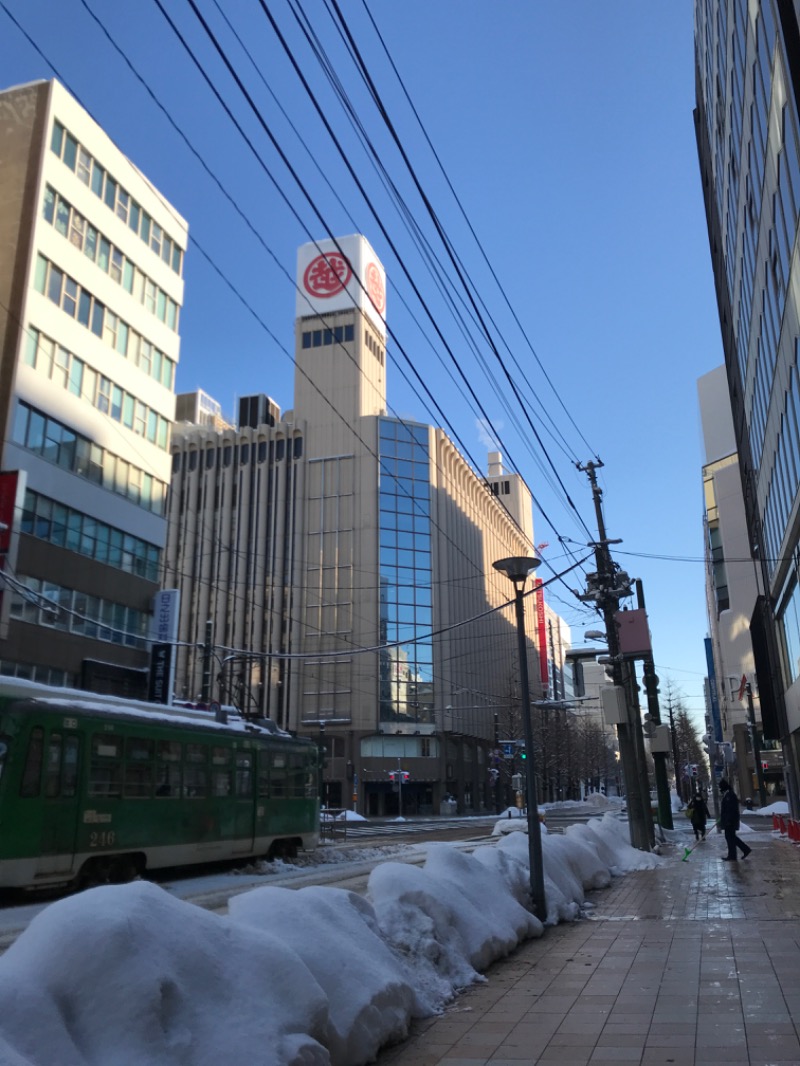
[{"x": 126, "y": 975}]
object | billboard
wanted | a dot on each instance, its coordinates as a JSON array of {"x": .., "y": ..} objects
[{"x": 339, "y": 274}]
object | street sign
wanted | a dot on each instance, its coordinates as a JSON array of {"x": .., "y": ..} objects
[{"x": 508, "y": 750}]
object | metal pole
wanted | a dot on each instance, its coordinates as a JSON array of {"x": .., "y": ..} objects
[
  {"x": 534, "y": 828},
  {"x": 751, "y": 720}
]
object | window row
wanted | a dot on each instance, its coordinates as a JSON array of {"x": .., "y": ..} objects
[
  {"x": 391, "y": 467},
  {"x": 83, "y": 235},
  {"x": 44, "y": 675},
  {"x": 392, "y": 429},
  {"x": 237, "y": 454},
  {"x": 117, "y": 198},
  {"x": 144, "y": 768},
  {"x": 79, "y": 303},
  {"x": 52, "y": 521},
  {"x": 316, "y": 338},
  {"x": 59, "y": 444},
  {"x": 77, "y": 377},
  {"x": 374, "y": 346},
  {"x": 57, "y": 607}
]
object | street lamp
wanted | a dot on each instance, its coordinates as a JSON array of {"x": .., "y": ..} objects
[{"x": 517, "y": 569}]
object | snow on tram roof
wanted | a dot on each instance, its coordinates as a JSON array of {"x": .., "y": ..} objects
[{"x": 80, "y": 700}]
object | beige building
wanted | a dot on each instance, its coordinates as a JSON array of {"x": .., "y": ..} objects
[
  {"x": 349, "y": 578},
  {"x": 91, "y": 261}
]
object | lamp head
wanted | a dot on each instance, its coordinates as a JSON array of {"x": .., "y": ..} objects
[{"x": 517, "y": 567}]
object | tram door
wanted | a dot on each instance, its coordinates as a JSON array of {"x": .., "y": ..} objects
[{"x": 60, "y": 800}]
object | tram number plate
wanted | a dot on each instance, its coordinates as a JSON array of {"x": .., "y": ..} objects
[{"x": 102, "y": 839}]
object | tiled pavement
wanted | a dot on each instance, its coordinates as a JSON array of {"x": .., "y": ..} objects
[{"x": 696, "y": 962}]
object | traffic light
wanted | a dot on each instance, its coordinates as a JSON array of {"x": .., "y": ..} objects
[
  {"x": 648, "y": 726},
  {"x": 523, "y": 753},
  {"x": 392, "y": 775},
  {"x": 404, "y": 775}
]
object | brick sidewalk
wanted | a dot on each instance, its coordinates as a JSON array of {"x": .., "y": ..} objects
[{"x": 696, "y": 962}]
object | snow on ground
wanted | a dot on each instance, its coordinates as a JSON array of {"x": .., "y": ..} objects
[{"x": 317, "y": 976}]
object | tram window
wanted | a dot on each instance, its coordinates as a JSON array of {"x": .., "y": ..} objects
[
  {"x": 297, "y": 776},
  {"x": 220, "y": 756},
  {"x": 3, "y": 753},
  {"x": 263, "y": 777},
  {"x": 195, "y": 780},
  {"x": 32, "y": 774},
  {"x": 69, "y": 767},
  {"x": 221, "y": 782},
  {"x": 196, "y": 753},
  {"x": 244, "y": 774},
  {"x": 168, "y": 780},
  {"x": 169, "y": 751},
  {"x": 278, "y": 775},
  {"x": 105, "y": 769},
  {"x": 138, "y": 767},
  {"x": 52, "y": 775},
  {"x": 138, "y": 749},
  {"x": 168, "y": 772}
]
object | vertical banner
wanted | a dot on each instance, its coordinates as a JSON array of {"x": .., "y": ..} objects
[
  {"x": 542, "y": 631},
  {"x": 12, "y": 498},
  {"x": 164, "y": 633}
]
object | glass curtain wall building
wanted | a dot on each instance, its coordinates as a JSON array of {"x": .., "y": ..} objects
[
  {"x": 747, "y": 71},
  {"x": 406, "y": 610}
]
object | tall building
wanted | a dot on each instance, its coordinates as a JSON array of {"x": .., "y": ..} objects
[
  {"x": 349, "y": 552},
  {"x": 731, "y": 597},
  {"x": 747, "y": 56},
  {"x": 91, "y": 261}
]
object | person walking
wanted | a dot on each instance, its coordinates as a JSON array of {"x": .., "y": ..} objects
[
  {"x": 699, "y": 814},
  {"x": 729, "y": 822}
]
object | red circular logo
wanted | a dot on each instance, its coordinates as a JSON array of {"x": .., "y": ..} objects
[
  {"x": 375, "y": 288},
  {"x": 327, "y": 275}
]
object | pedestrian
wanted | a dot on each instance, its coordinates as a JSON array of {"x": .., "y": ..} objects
[
  {"x": 699, "y": 815},
  {"x": 729, "y": 822}
]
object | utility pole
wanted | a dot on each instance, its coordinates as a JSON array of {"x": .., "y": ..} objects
[
  {"x": 650, "y": 681},
  {"x": 751, "y": 721},
  {"x": 676, "y": 764},
  {"x": 606, "y": 588},
  {"x": 208, "y": 648}
]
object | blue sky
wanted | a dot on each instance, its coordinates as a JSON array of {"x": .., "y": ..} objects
[{"x": 566, "y": 131}]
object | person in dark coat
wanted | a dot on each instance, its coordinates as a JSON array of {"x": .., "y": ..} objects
[
  {"x": 729, "y": 822},
  {"x": 699, "y": 814}
]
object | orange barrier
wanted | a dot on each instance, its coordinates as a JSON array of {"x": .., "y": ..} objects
[{"x": 776, "y": 825}]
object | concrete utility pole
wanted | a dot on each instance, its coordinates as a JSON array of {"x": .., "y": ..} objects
[
  {"x": 606, "y": 588},
  {"x": 650, "y": 681}
]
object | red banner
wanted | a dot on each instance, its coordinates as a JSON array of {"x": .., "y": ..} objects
[
  {"x": 8, "y": 502},
  {"x": 542, "y": 630}
]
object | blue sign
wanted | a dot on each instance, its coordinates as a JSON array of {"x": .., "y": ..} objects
[{"x": 508, "y": 750}]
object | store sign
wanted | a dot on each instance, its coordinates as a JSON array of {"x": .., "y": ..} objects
[{"x": 337, "y": 275}]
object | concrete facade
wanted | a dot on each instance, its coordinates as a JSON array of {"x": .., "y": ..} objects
[
  {"x": 91, "y": 259},
  {"x": 383, "y": 629}
]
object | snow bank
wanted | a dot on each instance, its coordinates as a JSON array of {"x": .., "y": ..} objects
[{"x": 127, "y": 975}]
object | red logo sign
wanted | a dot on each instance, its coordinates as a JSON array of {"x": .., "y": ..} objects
[
  {"x": 375, "y": 288},
  {"x": 327, "y": 275}
]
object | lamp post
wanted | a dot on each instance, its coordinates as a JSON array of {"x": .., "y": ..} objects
[{"x": 517, "y": 569}]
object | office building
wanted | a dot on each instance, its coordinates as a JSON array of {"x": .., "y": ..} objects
[
  {"x": 343, "y": 557},
  {"x": 731, "y": 597},
  {"x": 91, "y": 261},
  {"x": 747, "y": 78}
]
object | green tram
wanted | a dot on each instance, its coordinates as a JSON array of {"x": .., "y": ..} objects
[{"x": 96, "y": 788}]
